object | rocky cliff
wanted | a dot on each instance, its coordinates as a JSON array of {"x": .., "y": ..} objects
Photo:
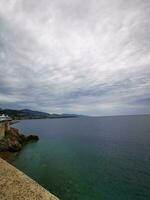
[{"x": 14, "y": 141}]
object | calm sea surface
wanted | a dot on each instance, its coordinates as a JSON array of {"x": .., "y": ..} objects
[{"x": 102, "y": 158}]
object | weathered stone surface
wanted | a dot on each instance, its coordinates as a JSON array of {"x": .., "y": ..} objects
[{"x": 15, "y": 185}]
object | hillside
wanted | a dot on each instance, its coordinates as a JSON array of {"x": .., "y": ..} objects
[{"x": 30, "y": 114}]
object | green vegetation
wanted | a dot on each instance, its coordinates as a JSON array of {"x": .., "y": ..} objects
[{"x": 30, "y": 114}]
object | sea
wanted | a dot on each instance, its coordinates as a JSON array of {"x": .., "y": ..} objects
[{"x": 89, "y": 158}]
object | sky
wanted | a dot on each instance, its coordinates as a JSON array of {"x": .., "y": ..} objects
[{"x": 72, "y": 56}]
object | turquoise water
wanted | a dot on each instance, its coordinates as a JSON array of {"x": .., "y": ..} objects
[{"x": 101, "y": 158}]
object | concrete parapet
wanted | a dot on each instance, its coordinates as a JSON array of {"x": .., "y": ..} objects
[{"x": 15, "y": 185}]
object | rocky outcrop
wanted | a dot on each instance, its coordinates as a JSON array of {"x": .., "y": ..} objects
[
  {"x": 32, "y": 138},
  {"x": 14, "y": 141}
]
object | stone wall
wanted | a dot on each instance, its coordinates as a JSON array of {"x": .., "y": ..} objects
[
  {"x": 7, "y": 126},
  {"x": 14, "y": 184},
  {"x": 2, "y": 130},
  {"x": 4, "y": 126}
]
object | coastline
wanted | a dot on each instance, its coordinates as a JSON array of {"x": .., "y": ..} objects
[
  {"x": 24, "y": 187},
  {"x": 13, "y": 141}
]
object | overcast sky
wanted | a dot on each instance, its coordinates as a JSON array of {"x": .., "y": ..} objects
[{"x": 75, "y": 56}]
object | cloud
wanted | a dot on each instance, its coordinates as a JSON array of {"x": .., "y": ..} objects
[{"x": 75, "y": 56}]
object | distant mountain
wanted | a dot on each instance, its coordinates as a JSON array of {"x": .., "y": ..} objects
[
  {"x": 35, "y": 113},
  {"x": 30, "y": 114}
]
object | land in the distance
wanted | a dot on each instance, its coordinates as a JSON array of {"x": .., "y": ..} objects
[{"x": 30, "y": 114}]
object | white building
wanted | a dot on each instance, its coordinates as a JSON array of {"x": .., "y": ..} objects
[{"x": 4, "y": 117}]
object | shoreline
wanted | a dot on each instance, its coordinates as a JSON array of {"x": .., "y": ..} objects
[
  {"x": 13, "y": 141},
  {"x": 24, "y": 187}
]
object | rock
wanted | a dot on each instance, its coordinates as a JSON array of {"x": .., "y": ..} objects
[
  {"x": 15, "y": 146},
  {"x": 32, "y": 138},
  {"x": 14, "y": 141}
]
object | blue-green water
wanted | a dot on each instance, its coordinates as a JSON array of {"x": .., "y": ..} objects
[{"x": 102, "y": 158}]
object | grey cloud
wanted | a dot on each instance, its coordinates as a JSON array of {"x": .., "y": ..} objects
[
  {"x": 75, "y": 56},
  {"x": 142, "y": 102}
]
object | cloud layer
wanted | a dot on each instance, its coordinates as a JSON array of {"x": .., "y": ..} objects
[{"x": 90, "y": 57}]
